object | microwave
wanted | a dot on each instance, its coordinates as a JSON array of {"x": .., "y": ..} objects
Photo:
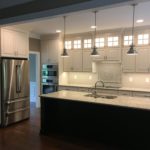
[{"x": 52, "y": 67}]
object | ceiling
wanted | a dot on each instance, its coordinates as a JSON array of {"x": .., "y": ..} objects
[
  {"x": 118, "y": 17},
  {"x": 10, "y": 3}
]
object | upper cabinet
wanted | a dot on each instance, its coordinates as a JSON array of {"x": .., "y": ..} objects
[
  {"x": 137, "y": 63},
  {"x": 87, "y": 61},
  {"x": 128, "y": 62},
  {"x": 109, "y": 54},
  {"x": 143, "y": 60},
  {"x": 73, "y": 63},
  {"x": 14, "y": 43}
]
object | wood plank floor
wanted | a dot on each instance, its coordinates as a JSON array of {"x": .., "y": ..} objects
[{"x": 25, "y": 136}]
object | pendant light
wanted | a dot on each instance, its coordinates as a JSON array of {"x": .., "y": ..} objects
[
  {"x": 64, "y": 54},
  {"x": 94, "y": 49},
  {"x": 132, "y": 50}
]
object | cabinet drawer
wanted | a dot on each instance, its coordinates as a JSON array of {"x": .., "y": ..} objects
[
  {"x": 126, "y": 93},
  {"x": 141, "y": 94}
]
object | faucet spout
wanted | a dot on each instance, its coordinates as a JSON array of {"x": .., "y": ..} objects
[{"x": 96, "y": 83}]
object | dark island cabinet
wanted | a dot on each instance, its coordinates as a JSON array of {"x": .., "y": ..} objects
[{"x": 114, "y": 124}]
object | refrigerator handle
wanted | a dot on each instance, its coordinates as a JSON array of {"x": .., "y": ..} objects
[{"x": 18, "y": 78}]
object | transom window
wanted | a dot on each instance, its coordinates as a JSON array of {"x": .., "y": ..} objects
[
  {"x": 77, "y": 44},
  {"x": 143, "y": 39},
  {"x": 99, "y": 42},
  {"x": 127, "y": 40},
  {"x": 68, "y": 44},
  {"x": 113, "y": 41},
  {"x": 87, "y": 43}
]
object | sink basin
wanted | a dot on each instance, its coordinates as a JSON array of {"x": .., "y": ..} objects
[
  {"x": 108, "y": 96},
  {"x": 101, "y": 96}
]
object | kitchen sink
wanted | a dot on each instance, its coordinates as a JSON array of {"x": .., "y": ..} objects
[{"x": 101, "y": 96}]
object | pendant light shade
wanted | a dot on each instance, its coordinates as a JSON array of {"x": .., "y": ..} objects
[
  {"x": 132, "y": 50},
  {"x": 64, "y": 54},
  {"x": 94, "y": 49}
]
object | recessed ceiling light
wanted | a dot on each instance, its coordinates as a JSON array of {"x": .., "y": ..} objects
[
  {"x": 58, "y": 31},
  {"x": 140, "y": 21},
  {"x": 93, "y": 27}
]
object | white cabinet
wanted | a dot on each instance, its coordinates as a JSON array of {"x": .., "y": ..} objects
[
  {"x": 22, "y": 44},
  {"x": 114, "y": 54},
  {"x": 137, "y": 63},
  {"x": 110, "y": 54},
  {"x": 128, "y": 61},
  {"x": 14, "y": 43},
  {"x": 143, "y": 60},
  {"x": 73, "y": 63},
  {"x": 87, "y": 61}
]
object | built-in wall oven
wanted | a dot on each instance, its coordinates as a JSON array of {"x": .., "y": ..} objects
[{"x": 49, "y": 78}]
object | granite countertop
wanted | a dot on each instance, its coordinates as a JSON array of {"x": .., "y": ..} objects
[
  {"x": 108, "y": 87},
  {"x": 124, "y": 101}
]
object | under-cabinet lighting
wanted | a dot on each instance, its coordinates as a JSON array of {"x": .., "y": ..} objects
[
  {"x": 58, "y": 31},
  {"x": 147, "y": 80},
  {"x": 90, "y": 77},
  {"x": 75, "y": 77},
  {"x": 93, "y": 27},
  {"x": 130, "y": 79},
  {"x": 139, "y": 21}
]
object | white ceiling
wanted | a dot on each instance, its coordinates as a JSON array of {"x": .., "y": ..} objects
[{"x": 80, "y": 22}]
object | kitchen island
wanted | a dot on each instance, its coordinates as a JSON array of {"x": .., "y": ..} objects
[{"x": 124, "y": 120}]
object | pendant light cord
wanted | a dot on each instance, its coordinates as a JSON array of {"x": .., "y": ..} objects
[
  {"x": 64, "y": 30},
  {"x": 133, "y": 23},
  {"x": 95, "y": 28}
]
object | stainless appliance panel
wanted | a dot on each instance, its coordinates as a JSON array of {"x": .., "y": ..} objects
[
  {"x": 9, "y": 79},
  {"x": 23, "y": 78},
  {"x": 17, "y": 116}
]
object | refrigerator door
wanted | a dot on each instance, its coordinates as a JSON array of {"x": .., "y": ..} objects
[
  {"x": 22, "y": 81},
  {"x": 9, "y": 79},
  {"x": 15, "y": 91}
]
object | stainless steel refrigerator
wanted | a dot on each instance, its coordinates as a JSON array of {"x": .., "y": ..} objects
[{"x": 15, "y": 101}]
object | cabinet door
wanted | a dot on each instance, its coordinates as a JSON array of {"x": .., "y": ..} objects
[
  {"x": 114, "y": 54},
  {"x": 22, "y": 44},
  {"x": 102, "y": 55},
  {"x": 7, "y": 41},
  {"x": 142, "y": 60},
  {"x": 128, "y": 62},
  {"x": 73, "y": 63},
  {"x": 87, "y": 61},
  {"x": 67, "y": 62},
  {"x": 77, "y": 60}
]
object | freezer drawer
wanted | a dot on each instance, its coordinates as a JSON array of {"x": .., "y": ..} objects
[
  {"x": 16, "y": 116},
  {"x": 17, "y": 104}
]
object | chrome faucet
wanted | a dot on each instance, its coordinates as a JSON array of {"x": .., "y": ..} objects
[{"x": 95, "y": 89}]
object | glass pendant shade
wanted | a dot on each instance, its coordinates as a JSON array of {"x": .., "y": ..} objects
[
  {"x": 64, "y": 53},
  {"x": 132, "y": 50},
  {"x": 94, "y": 49}
]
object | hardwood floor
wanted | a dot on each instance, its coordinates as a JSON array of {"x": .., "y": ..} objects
[{"x": 25, "y": 136}]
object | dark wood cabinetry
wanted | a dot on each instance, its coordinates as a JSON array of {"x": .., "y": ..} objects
[{"x": 114, "y": 124}]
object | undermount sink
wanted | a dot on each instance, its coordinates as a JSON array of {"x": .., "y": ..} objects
[{"x": 101, "y": 96}]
